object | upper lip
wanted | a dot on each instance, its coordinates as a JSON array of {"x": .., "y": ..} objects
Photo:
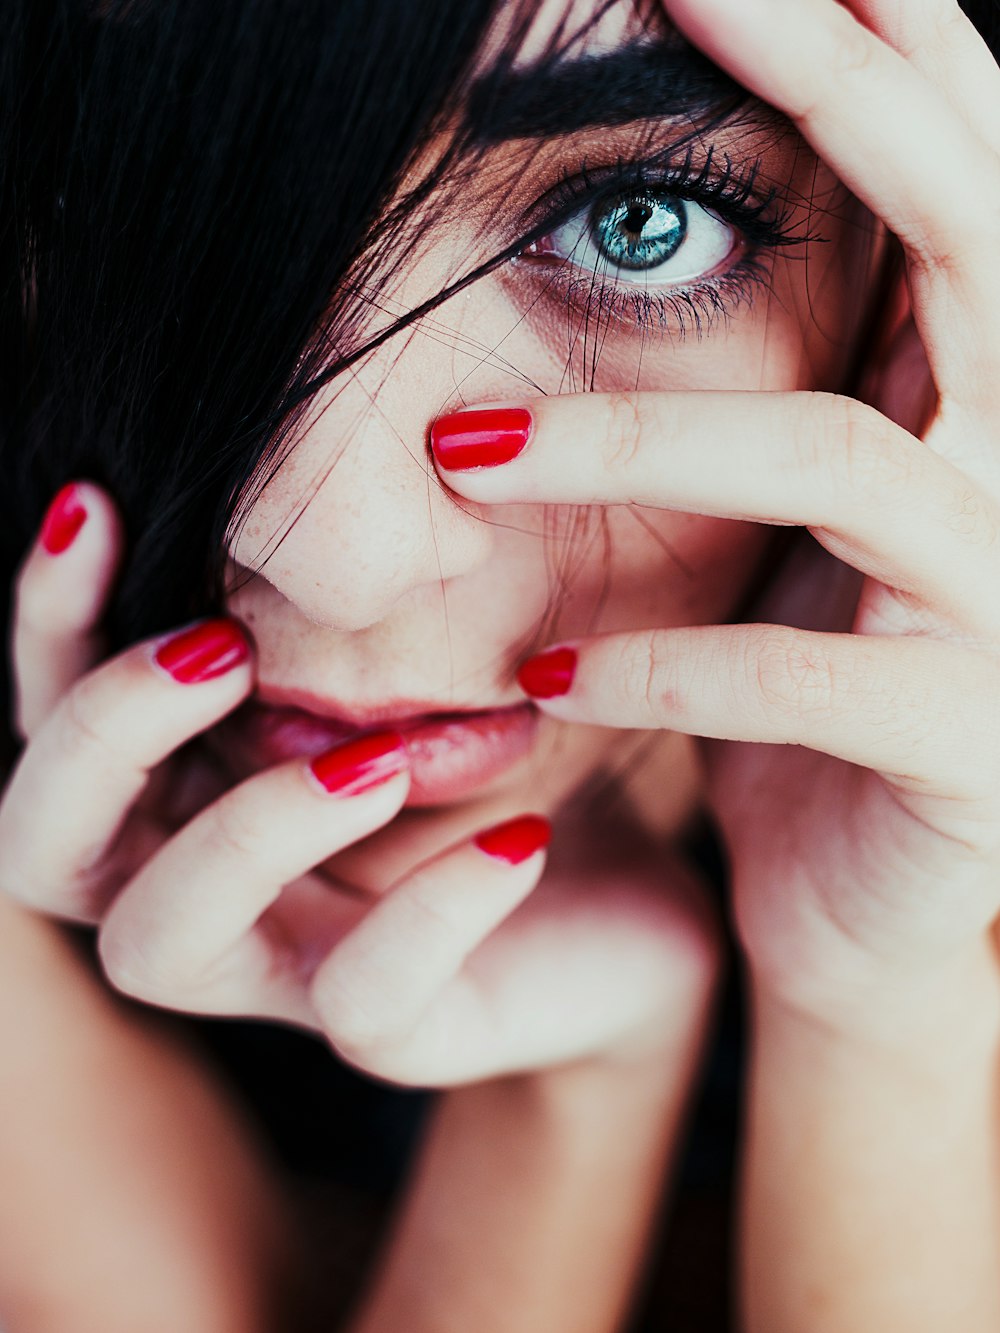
[{"x": 369, "y": 715}]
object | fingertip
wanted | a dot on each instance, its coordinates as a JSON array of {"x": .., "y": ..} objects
[
  {"x": 63, "y": 520},
  {"x": 66, "y": 579},
  {"x": 515, "y": 840},
  {"x": 479, "y": 439},
  {"x": 550, "y": 674},
  {"x": 203, "y": 651},
  {"x": 80, "y": 509},
  {"x": 356, "y": 767}
]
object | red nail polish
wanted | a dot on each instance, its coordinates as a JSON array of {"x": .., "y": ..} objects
[
  {"x": 358, "y": 766},
  {"x": 64, "y": 518},
  {"x": 549, "y": 675},
  {"x": 516, "y": 840},
  {"x": 203, "y": 652},
  {"x": 468, "y": 440}
]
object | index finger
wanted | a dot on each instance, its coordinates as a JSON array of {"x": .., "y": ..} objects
[{"x": 860, "y": 483}]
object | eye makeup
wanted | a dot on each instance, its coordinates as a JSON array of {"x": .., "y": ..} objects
[
  {"x": 727, "y": 229},
  {"x": 493, "y": 208}
]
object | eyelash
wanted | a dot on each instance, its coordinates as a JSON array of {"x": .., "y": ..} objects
[{"x": 731, "y": 193}]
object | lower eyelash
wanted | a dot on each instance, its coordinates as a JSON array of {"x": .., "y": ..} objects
[
  {"x": 674, "y": 312},
  {"x": 764, "y": 223}
]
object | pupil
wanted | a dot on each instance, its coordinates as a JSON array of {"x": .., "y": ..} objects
[{"x": 641, "y": 231}]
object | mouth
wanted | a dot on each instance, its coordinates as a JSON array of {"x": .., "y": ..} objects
[{"x": 453, "y": 755}]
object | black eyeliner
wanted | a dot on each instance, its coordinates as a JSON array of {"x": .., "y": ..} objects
[
  {"x": 728, "y": 191},
  {"x": 732, "y": 193}
]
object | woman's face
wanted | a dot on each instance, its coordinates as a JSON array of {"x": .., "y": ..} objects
[{"x": 381, "y": 599}]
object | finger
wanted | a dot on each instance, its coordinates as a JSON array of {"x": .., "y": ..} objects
[
  {"x": 182, "y": 932},
  {"x": 869, "y": 492},
  {"x": 614, "y": 962},
  {"x": 90, "y": 760},
  {"x": 910, "y": 709},
  {"x": 919, "y": 169},
  {"x": 374, "y": 989},
  {"x": 60, "y": 596},
  {"x": 940, "y": 41}
]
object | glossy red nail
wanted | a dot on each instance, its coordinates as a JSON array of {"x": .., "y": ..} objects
[
  {"x": 203, "y": 652},
  {"x": 516, "y": 840},
  {"x": 64, "y": 518},
  {"x": 549, "y": 675},
  {"x": 468, "y": 440},
  {"x": 358, "y": 766}
]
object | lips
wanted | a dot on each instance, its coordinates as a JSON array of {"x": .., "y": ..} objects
[{"x": 452, "y": 755}]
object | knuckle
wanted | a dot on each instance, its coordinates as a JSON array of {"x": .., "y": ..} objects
[
  {"x": 850, "y": 48},
  {"x": 968, "y": 514},
  {"x": 862, "y": 450},
  {"x": 623, "y": 437},
  {"x": 637, "y": 676},
  {"x": 848, "y": 52},
  {"x": 87, "y": 727},
  {"x": 236, "y": 829},
  {"x": 946, "y": 258},
  {"x": 351, "y": 1022},
  {"x": 151, "y": 963},
  {"x": 793, "y": 676},
  {"x": 134, "y": 968}
]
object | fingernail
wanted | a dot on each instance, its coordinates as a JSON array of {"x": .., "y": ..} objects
[
  {"x": 549, "y": 675},
  {"x": 63, "y": 519},
  {"x": 468, "y": 440},
  {"x": 203, "y": 652},
  {"x": 516, "y": 840},
  {"x": 358, "y": 766}
]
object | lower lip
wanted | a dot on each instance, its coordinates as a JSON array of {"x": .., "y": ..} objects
[{"x": 450, "y": 757}]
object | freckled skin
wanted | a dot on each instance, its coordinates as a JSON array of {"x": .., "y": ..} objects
[{"x": 387, "y": 586}]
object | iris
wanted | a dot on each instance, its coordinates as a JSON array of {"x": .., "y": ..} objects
[{"x": 640, "y": 231}]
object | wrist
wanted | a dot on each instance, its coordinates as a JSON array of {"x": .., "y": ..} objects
[{"x": 946, "y": 1010}]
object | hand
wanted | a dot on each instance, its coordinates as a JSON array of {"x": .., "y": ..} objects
[
  {"x": 863, "y": 817},
  {"x": 209, "y": 899}
]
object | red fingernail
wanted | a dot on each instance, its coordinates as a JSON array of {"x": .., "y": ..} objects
[
  {"x": 358, "y": 766},
  {"x": 516, "y": 840},
  {"x": 467, "y": 440},
  {"x": 549, "y": 675},
  {"x": 203, "y": 652},
  {"x": 64, "y": 518}
]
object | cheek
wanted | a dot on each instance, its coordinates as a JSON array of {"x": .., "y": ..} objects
[
  {"x": 796, "y": 331},
  {"x": 678, "y": 569}
]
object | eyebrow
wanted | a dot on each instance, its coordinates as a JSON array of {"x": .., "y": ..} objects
[{"x": 636, "y": 82}]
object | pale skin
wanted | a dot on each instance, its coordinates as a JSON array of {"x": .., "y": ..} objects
[
  {"x": 858, "y": 783},
  {"x": 852, "y": 941},
  {"x": 471, "y": 1227}
]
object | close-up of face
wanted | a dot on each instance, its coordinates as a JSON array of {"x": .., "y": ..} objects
[
  {"x": 680, "y": 251},
  {"x": 499, "y": 561}
]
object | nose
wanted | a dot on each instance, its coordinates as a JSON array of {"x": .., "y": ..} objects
[{"x": 356, "y": 519}]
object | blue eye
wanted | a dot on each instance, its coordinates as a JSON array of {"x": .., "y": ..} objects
[
  {"x": 650, "y": 237},
  {"x": 641, "y": 232}
]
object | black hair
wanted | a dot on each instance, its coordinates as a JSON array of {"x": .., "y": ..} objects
[
  {"x": 188, "y": 195},
  {"x": 182, "y": 188}
]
